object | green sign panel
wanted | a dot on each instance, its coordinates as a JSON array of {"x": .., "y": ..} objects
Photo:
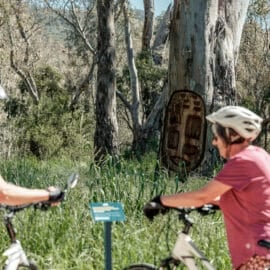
[{"x": 107, "y": 211}]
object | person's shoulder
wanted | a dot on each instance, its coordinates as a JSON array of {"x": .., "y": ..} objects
[
  {"x": 247, "y": 154},
  {"x": 253, "y": 155},
  {"x": 257, "y": 149}
]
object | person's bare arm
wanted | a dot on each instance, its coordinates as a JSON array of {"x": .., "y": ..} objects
[
  {"x": 15, "y": 195},
  {"x": 208, "y": 194}
]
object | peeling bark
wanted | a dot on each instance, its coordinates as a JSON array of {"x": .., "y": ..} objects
[
  {"x": 204, "y": 42},
  {"x": 162, "y": 37}
]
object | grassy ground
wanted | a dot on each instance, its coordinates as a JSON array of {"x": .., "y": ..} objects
[{"x": 66, "y": 237}]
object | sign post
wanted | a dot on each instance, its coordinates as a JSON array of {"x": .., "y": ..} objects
[{"x": 107, "y": 212}]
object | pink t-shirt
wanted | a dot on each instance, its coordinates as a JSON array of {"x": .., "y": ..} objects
[{"x": 246, "y": 207}]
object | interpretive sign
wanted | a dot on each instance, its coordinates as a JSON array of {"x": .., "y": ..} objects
[{"x": 107, "y": 211}]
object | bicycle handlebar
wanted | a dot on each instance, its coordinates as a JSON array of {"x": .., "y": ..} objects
[
  {"x": 15, "y": 208},
  {"x": 152, "y": 208},
  {"x": 206, "y": 209},
  {"x": 43, "y": 205}
]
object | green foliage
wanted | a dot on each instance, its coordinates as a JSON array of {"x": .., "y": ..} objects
[
  {"x": 15, "y": 106},
  {"x": 259, "y": 8},
  {"x": 66, "y": 237},
  {"x": 151, "y": 78},
  {"x": 253, "y": 83},
  {"x": 49, "y": 128}
]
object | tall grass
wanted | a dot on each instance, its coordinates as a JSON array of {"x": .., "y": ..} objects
[{"x": 66, "y": 237}]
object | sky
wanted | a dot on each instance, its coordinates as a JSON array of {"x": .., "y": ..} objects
[{"x": 160, "y": 5}]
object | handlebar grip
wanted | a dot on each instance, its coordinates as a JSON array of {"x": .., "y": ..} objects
[
  {"x": 56, "y": 196},
  {"x": 208, "y": 209}
]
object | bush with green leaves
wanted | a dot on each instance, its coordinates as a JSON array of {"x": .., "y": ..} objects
[
  {"x": 49, "y": 128},
  {"x": 151, "y": 78}
]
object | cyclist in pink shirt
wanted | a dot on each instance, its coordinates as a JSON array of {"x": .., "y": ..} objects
[{"x": 241, "y": 188}]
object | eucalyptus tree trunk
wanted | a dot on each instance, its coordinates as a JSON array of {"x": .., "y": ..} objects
[
  {"x": 142, "y": 128},
  {"x": 106, "y": 133},
  {"x": 204, "y": 43},
  {"x": 161, "y": 37},
  {"x": 148, "y": 24},
  {"x": 135, "y": 106}
]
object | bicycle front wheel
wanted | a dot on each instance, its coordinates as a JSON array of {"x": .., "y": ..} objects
[
  {"x": 141, "y": 266},
  {"x": 32, "y": 266}
]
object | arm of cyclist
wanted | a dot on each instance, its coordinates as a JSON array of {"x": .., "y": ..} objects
[
  {"x": 197, "y": 198},
  {"x": 11, "y": 194},
  {"x": 209, "y": 194},
  {"x": 215, "y": 201}
]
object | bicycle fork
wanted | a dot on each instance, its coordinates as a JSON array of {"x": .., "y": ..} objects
[
  {"x": 15, "y": 253},
  {"x": 186, "y": 251}
]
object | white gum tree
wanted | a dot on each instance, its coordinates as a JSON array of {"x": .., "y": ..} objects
[{"x": 204, "y": 43}]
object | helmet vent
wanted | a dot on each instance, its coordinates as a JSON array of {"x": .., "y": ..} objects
[
  {"x": 230, "y": 115},
  {"x": 248, "y": 123}
]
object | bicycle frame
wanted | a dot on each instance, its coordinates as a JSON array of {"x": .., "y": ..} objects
[
  {"x": 15, "y": 254},
  {"x": 187, "y": 252},
  {"x": 15, "y": 257},
  {"x": 184, "y": 252}
]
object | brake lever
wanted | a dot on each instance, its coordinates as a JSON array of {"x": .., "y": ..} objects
[
  {"x": 207, "y": 209},
  {"x": 43, "y": 206}
]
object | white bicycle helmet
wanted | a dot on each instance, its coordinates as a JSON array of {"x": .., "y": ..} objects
[{"x": 246, "y": 123}]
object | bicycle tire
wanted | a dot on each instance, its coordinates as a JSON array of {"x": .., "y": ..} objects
[
  {"x": 32, "y": 266},
  {"x": 141, "y": 266}
]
